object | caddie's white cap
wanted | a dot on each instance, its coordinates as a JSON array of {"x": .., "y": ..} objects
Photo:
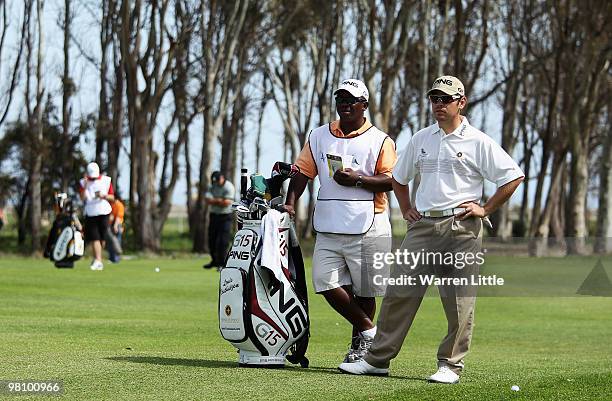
[
  {"x": 355, "y": 87},
  {"x": 448, "y": 84},
  {"x": 93, "y": 170}
]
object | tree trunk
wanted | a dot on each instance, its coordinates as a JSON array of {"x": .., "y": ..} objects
[
  {"x": 115, "y": 136},
  {"x": 67, "y": 89},
  {"x": 524, "y": 216},
  {"x": 503, "y": 230},
  {"x": 538, "y": 243},
  {"x": 576, "y": 228},
  {"x": 145, "y": 170},
  {"x": 37, "y": 126},
  {"x": 148, "y": 52},
  {"x": 441, "y": 37},
  {"x": 603, "y": 242},
  {"x": 218, "y": 58},
  {"x": 200, "y": 234},
  {"x": 424, "y": 43},
  {"x": 189, "y": 192},
  {"x": 22, "y": 211},
  {"x": 116, "y": 132},
  {"x": 458, "y": 66}
]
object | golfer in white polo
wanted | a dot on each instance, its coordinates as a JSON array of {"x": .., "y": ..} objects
[{"x": 453, "y": 159}]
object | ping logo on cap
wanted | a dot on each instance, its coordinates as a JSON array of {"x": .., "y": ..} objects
[
  {"x": 443, "y": 81},
  {"x": 355, "y": 87},
  {"x": 448, "y": 84}
]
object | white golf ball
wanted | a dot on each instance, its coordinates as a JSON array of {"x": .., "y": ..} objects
[
  {"x": 157, "y": 270},
  {"x": 515, "y": 388}
]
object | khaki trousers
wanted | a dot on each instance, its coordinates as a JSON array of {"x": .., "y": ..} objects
[{"x": 401, "y": 303}]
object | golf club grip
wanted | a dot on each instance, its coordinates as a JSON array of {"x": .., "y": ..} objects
[{"x": 243, "y": 182}]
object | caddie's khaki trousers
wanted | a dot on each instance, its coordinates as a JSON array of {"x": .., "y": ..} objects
[{"x": 445, "y": 235}]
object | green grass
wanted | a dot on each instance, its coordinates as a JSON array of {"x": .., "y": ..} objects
[{"x": 128, "y": 333}]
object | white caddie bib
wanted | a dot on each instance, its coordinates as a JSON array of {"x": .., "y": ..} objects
[
  {"x": 96, "y": 206},
  {"x": 340, "y": 209}
]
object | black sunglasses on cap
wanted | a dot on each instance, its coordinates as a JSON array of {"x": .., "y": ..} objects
[
  {"x": 349, "y": 100},
  {"x": 445, "y": 99}
]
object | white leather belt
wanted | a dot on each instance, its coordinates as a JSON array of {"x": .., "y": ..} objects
[
  {"x": 452, "y": 212},
  {"x": 443, "y": 213}
]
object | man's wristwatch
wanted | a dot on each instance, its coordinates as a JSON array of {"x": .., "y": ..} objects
[{"x": 359, "y": 182}]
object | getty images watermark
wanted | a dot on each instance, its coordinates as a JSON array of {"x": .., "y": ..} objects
[
  {"x": 457, "y": 267},
  {"x": 418, "y": 261}
]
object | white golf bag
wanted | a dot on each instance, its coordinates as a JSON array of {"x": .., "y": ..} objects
[
  {"x": 263, "y": 302},
  {"x": 65, "y": 243}
]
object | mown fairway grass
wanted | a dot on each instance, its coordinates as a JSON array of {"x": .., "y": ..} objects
[{"x": 129, "y": 333}]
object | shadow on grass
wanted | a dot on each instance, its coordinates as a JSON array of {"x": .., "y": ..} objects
[
  {"x": 158, "y": 360},
  {"x": 336, "y": 371},
  {"x": 206, "y": 363}
]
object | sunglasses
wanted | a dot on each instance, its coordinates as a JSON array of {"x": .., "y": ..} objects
[
  {"x": 445, "y": 99},
  {"x": 349, "y": 100}
]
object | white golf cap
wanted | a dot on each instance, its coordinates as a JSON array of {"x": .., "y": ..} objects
[
  {"x": 355, "y": 87},
  {"x": 93, "y": 170},
  {"x": 448, "y": 84}
]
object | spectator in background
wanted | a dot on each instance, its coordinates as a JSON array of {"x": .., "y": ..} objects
[
  {"x": 1, "y": 217},
  {"x": 219, "y": 197},
  {"x": 96, "y": 192},
  {"x": 115, "y": 231}
]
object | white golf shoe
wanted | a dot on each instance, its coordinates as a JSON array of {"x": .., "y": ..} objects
[
  {"x": 361, "y": 367},
  {"x": 96, "y": 265},
  {"x": 444, "y": 375}
]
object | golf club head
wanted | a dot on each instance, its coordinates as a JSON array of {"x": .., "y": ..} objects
[
  {"x": 259, "y": 207},
  {"x": 241, "y": 211},
  {"x": 276, "y": 201},
  {"x": 239, "y": 207},
  {"x": 261, "y": 203}
]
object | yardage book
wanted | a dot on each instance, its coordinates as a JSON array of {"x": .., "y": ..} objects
[
  {"x": 334, "y": 162},
  {"x": 337, "y": 162}
]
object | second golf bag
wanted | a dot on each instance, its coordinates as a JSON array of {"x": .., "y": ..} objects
[
  {"x": 263, "y": 303},
  {"x": 65, "y": 243}
]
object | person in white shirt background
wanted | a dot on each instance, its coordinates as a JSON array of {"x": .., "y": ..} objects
[{"x": 96, "y": 192}]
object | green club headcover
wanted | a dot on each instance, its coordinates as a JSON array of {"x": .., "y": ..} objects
[{"x": 259, "y": 185}]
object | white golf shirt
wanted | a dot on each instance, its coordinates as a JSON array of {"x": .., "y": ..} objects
[
  {"x": 94, "y": 206},
  {"x": 453, "y": 166}
]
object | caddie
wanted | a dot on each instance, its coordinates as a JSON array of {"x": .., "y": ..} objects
[
  {"x": 453, "y": 159},
  {"x": 353, "y": 160}
]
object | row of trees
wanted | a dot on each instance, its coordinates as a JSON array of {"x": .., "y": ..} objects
[{"x": 179, "y": 72}]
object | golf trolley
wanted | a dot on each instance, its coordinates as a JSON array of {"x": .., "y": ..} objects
[{"x": 263, "y": 303}]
